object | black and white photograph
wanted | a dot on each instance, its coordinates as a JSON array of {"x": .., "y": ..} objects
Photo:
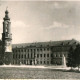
[{"x": 39, "y": 39}]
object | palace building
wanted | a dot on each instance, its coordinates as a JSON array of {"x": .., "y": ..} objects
[{"x": 39, "y": 53}]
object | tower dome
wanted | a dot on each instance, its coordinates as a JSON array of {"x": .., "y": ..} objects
[{"x": 6, "y": 15}]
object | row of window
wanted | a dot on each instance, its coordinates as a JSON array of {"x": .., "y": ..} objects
[
  {"x": 57, "y": 62},
  {"x": 23, "y": 56},
  {"x": 45, "y": 55},
  {"x": 38, "y": 55},
  {"x": 29, "y": 56},
  {"x": 43, "y": 62},
  {"x": 30, "y": 62},
  {"x": 61, "y": 49},
  {"x": 30, "y": 50}
]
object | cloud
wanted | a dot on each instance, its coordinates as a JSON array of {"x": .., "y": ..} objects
[
  {"x": 58, "y": 25},
  {"x": 18, "y": 24}
]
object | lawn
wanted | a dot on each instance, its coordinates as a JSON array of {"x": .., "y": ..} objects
[{"x": 36, "y": 73}]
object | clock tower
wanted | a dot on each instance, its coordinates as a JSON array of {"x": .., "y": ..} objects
[{"x": 7, "y": 40}]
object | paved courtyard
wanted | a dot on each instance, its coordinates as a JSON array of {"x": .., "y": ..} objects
[{"x": 36, "y": 73}]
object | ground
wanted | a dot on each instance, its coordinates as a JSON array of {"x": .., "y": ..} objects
[{"x": 36, "y": 73}]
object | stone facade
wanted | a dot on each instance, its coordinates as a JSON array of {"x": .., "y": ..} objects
[{"x": 42, "y": 53}]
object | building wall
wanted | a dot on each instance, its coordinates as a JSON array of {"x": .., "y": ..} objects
[
  {"x": 32, "y": 55},
  {"x": 59, "y": 53},
  {"x": 52, "y": 55}
]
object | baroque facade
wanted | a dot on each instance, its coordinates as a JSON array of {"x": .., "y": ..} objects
[
  {"x": 39, "y": 53},
  {"x": 42, "y": 53}
]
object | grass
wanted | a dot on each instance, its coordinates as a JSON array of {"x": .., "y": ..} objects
[{"x": 36, "y": 73}]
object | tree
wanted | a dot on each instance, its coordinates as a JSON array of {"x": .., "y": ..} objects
[
  {"x": 77, "y": 56},
  {"x": 71, "y": 59}
]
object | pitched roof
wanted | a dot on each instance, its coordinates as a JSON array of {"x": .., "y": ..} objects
[{"x": 49, "y": 43}]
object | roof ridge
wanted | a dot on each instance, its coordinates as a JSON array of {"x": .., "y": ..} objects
[{"x": 45, "y": 42}]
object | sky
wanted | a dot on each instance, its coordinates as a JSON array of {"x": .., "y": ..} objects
[{"x": 40, "y": 21}]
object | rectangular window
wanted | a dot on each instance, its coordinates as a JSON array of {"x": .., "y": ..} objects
[
  {"x": 47, "y": 62},
  {"x": 41, "y": 55},
  {"x": 40, "y": 49},
  {"x": 40, "y": 62},
  {"x": 31, "y": 55},
  {"x": 22, "y": 50},
  {"x": 37, "y": 55},
  {"x": 13, "y": 56},
  {"x": 34, "y": 50},
  {"x": 37, "y": 62},
  {"x": 19, "y": 56},
  {"x": 25, "y": 55},
  {"x": 51, "y": 55},
  {"x": 31, "y": 50},
  {"x": 47, "y": 55},
  {"x": 25, "y": 50},
  {"x": 37, "y": 49},
  {"x": 28, "y": 55},
  {"x": 28, "y": 50},
  {"x": 44, "y": 55}
]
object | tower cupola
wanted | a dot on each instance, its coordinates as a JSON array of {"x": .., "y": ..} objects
[{"x": 6, "y": 15}]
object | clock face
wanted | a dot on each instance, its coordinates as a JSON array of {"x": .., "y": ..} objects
[{"x": 8, "y": 49}]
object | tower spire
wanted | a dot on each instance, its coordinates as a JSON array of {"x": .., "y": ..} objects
[
  {"x": 6, "y": 14},
  {"x": 7, "y": 39}
]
